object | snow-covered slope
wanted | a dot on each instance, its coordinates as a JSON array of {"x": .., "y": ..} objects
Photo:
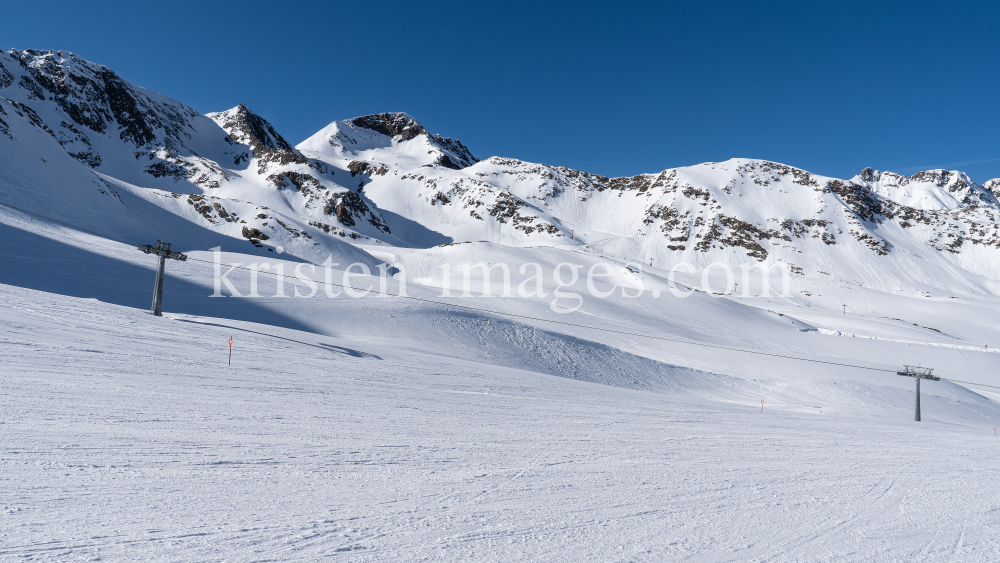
[
  {"x": 385, "y": 180},
  {"x": 373, "y": 144},
  {"x": 879, "y": 229},
  {"x": 83, "y": 146},
  {"x": 382, "y": 428},
  {"x": 252, "y": 189},
  {"x": 473, "y": 425}
]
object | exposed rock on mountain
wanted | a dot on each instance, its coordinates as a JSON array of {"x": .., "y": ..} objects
[
  {"x": 993, "y": 186},
  {"x": 148, "y": 141},
  {"x": 398, "y": 137},
  {"x": 266, "y": 145},
  {"x": 383, "y": 179},
  {"x": 391, "y": 124}
]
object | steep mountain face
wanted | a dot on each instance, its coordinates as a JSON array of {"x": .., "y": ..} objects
[
  {"x": 106, "y": 123},
  {"x": 230, "y": 172},
  {"x": 384, "y": 180}
]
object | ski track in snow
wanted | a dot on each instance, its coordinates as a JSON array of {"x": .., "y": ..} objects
[{"x": 152, "y": 448}]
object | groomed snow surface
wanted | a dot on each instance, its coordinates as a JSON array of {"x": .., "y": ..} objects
[{"x": 378, "y": 429}]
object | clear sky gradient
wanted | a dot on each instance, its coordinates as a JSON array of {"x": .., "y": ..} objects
[{"x": 614, "y": 88}]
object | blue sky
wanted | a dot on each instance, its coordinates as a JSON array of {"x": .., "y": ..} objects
[{"x": 613, "y": 88}]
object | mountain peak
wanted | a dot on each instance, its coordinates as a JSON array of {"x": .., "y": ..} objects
[
  {"x": 391, "y": 138},
  {"x": 391, "y": 124},
  {"x": 245, "y": 126}
]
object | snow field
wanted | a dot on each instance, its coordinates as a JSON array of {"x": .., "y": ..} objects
[
  {"x": 379, "y": 429},
  {"x": 128, "y": 437}
]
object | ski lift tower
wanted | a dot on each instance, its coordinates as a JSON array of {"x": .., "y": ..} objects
[
  {"x": 918, "y": 373},
  {"x": 162, "y": 249}
]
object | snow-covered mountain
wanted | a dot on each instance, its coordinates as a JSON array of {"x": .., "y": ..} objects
[
  {"x": 438, "y": 426},
  {"x": 384, "y": 180},
  {"x": 230, "y": 173}
]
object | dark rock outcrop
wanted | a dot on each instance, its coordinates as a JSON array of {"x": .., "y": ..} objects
[
  {"x": 391, "y": 124},
  {"x": 253, "y": 234}
]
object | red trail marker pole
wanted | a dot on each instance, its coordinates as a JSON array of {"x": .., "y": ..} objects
[
  {"x": 762, "y": 405},
  {"x": 230, "y": 350}
]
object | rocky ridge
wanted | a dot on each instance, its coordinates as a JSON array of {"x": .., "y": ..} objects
[{"x": 372, "y": 178}]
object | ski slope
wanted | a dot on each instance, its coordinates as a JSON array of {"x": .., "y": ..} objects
[
  {"x": 659, "y": 420},
  {"x": 382, "y": 428}
]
